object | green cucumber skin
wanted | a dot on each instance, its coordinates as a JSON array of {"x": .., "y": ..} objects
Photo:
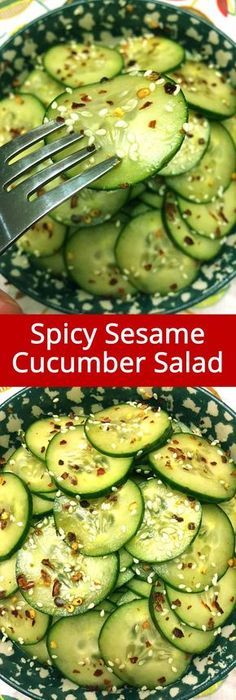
[
  {"x": 203, "y": 498},
  {"x": 195, "y": 233},
  {"x": 117, "y": 483},
  {"x": 27, "y": 526},
  {"x": 158, "y": 443}
]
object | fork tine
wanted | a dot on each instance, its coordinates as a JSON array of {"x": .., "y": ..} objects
[
  {"x": 49, "y": 200},
  {"x": 41, "y": 178},
  {"x": 37, "y": 157},
  {"x": 12, "y": 148}
]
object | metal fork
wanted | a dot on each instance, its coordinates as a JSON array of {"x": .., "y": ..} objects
[{"x": 17, "y": 211}]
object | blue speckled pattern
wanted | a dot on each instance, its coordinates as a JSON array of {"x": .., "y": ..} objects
[
  {"x": 196, "y": 407},
  {"x": 102, "y": 19}
]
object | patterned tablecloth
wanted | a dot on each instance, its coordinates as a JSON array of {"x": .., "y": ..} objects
[{"x": 15, "y": 13}]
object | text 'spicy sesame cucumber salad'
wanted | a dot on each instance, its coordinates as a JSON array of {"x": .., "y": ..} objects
[
  {"x": 169, "y": 204},
  {"x": 116, "y": 545}
]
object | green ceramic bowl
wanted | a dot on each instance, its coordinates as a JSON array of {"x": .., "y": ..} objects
[
  {"x": 100, "y": 19},
  {"x": 192, "y": 406}
]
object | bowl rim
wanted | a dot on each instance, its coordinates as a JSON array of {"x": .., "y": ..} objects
[{"x": 223, "y": 673}]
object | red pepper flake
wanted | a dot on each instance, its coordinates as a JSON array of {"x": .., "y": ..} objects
[
  {"x": 148, "y": 266},
  {"x": 64, "y": 475},
  {"x": 60, "y": 120},
  {"x": 170, "y": 88},
  {"x": 161, "y": 680},
  {"x": 145, "y": 105},
  {"x": 191, "y": 526},
  {"x": 56, "y": 588},
  {"x": 23, "y": 583},
  {"x": 60, "y": 461},
  {"x": 152, "y": 123},
  {"x": 46, "y": 562},
  {"x": 63, "y": 442},
  {"x": 177, "y": 633},
  {"x": 101, "y": 471},
  {"x": 173, "y": 287},
  {"x": 178, "y": 518},
  {"x": 188, "y": 240},
  {"x": 159, "y": 600},
  {"x": 133, "y": 659},
  {"x": 98, "y": 672},
  {"x": 42, "y": 449},
  {"x": 86, "y": 98},
  {"x": 177, "y": 603},
  {"x": 77, "y": 105}
]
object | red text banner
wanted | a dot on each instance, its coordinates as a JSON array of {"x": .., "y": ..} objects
[{"x": 111, "y": 350}]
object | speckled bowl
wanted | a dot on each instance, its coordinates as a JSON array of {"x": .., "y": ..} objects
[
  {"x": 100, "y": 19},
  {"x": 192, "y": 406}
]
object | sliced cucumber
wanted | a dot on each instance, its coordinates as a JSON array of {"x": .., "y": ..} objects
[
  {"x": 170, "y": 523},
  {"x": 128, "y": 116},
  {"x": 124, "y": 577},
  {"x": 184, "y": 637},
  {"x": 91, "y": 262},
  {"x": 42, "y": 506},
  {"x": 136, "y": 191},
  {"x": 156, "y": 184},
  {"x": 142, "y": 588},
  {"x": 197, "y": 135},
  {"x": 20, "y": 622},
  {"x": 152, "y": 199},
  {"x": 32, "y": 470},
  {"x": 38, "y": 651},
  {"x": 213, "y": 220},
  {"x": 73, "y": 647},
  {"x": 125, "y": 429},
  {"x": 229, "y": 508},
  {"x": 144, "y": 571},
  {"x": 194, "y": 245},
  {"x": 194, "y": 464},
  {"x": 127, "y": 597},
  {"x": 100, "y": 526},
  {"x": 19, "y": 114},
  {"x": 206, "y": 560},
  {"x": 138, "y": 208},
  {"x": 105, "y": 605},
  {"x": 41, "y": 432},
  {"x": 42, "y": 86},
  {"x": 150, "y": 52},
  {"x": 58, "y": 581},
  {"x": 152, "y": 263},
  {"x": 212, "y": 175},
  {"x": 45, "y": 237},
  {"x": 125, "y": 559},
  {"x": 53, "y": 264},
  {"x": 90, "y": 207},
  {"x": 77, "y": 64},
  {"x": 230, "y": 125},
  {"x": 79, "y": 468},
  {"x": 8, "y": 583},
  {"x": 207, "y": 89},
  {"x": 15, "y": 513},
  {"x": 209, "y": 609},
  {"x": 125, "y": 641}
]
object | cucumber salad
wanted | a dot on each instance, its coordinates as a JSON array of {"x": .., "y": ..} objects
[
  {"x": 167, "y": 207},
  {"x": 116, "y": 545}
]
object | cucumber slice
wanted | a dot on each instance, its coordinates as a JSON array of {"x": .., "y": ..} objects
[
  {"x": 197, "y": 135},
  {"x": 125, "y": 429},
  {"x": 194, "y": 245},
  {"x": 53, "y": 264},
  {"x": 15, "y": 513},
  {"x": 200, "y": 468},
  {"x": 142, "y": 470},
  {"x": 206, "y": 560},
  {"x": 144, "y": 571},
  {"x": 126, "y": 639},
  {"x": 8, "y": 583},
  {"x": 127, "y": 597},
  {"x": 42, "y": 86},
  {"x": 170, "y": 523},
  {"x": 42, "y": 506},
  {"x": 142, "y": 588},
  {"x": 105, "y": 605},
  {"x": 76, "y": 64},
  {"x": 152, "y": 263},
  {"x": 73, "y": 647},
  {"x": 153, "y": 199},
  {"x": 139, "y": 208},
  {"x": 213, "y": 174},
  {"x": 79, "y": 468},
  {"x": 230, "y": 125},
  {"x": 90, "y": 207},
  {"x": 103, "y": 525},
  {"x": 138, "y": 126},
  {"x": 125, "y": 559},
  {"x": 184, "y": 637},
  {"x": 136, "y": 191},
  {"x": 45, "y": 237},
  {"x": 41, "y": 432},
  {"x": 91, "y": 263},
  {"x": 209, "y": 609},
  {"x": 124, "y": 577},
  {"x": 150, "y": 52},
  {"x": 19, "y": 114},
  {"x": 213, "y": 220},
  {"x": 56, "y": 581},
  {"x": 20, "y": 622},
  {"x": 31, "y": 470},
  {"x": 229, "y": 508},
  {"x": 156, "y": 184},
  {"x": 207, "y": 89},
  {"x": 38, "y": 652}
]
